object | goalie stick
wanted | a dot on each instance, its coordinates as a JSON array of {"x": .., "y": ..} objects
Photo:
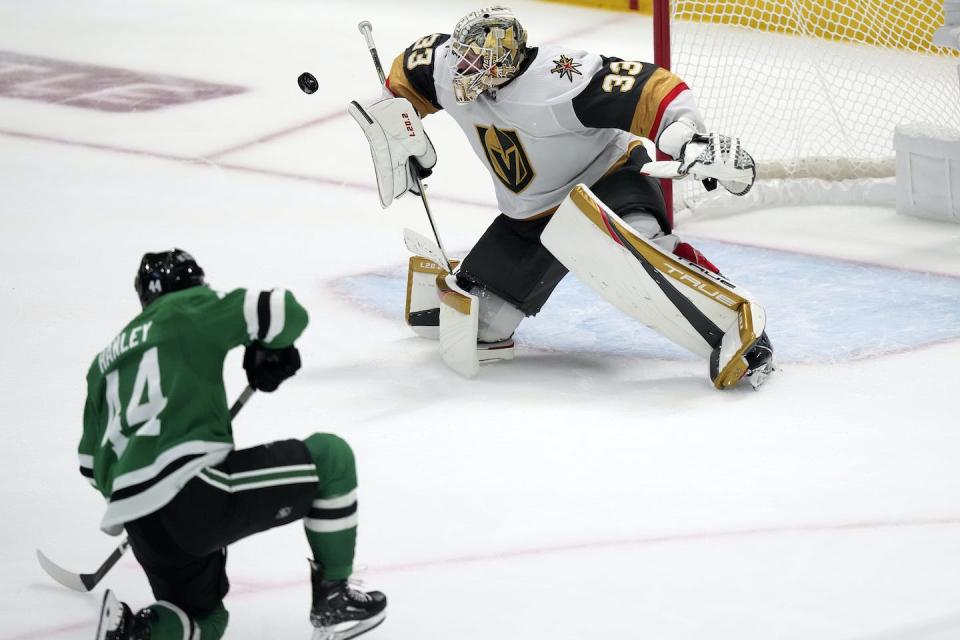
[
  {"x": 423, "y": 247},
  {"x": 367, "y": 30},
  {"x": 87, "y": 581}
]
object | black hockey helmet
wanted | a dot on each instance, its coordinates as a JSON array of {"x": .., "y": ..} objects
[{"x": 166, "y": 271}]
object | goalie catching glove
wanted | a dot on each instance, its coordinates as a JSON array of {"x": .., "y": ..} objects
[
  {"x": 398, "y": 144},
  {"x": 705, "y": 156}
]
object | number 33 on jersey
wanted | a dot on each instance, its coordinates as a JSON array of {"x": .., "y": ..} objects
[{"x": 567, "y": 116}]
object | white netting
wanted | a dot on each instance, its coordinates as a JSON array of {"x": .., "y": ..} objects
[{"x": 815, "y": 88}]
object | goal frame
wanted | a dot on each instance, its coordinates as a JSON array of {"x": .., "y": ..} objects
[{"x": 793, "y": 179}]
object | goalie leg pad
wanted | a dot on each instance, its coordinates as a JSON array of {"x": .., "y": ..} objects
[
  {"x": 459, "y": 323},
  {"x": 422, "y": 309},
  {"x": 697, "y": 309},
  {"x": 459, "y": 313}
]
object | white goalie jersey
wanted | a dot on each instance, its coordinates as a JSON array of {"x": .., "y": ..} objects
[{"x": 568, "y": 117}]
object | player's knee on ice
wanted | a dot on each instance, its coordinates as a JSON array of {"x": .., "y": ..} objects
[
  {"x": 167, "y": 621},
  {"x": 336, "y": 467}
]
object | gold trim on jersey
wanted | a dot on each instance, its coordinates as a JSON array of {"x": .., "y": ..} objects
[
  {"x": 507, "y": 157},
  {"x": 400, "y": 85},
  {"x": 657, "y": 87},
  {"x": 622, "y": 160},
  {"x": 542, "y": 214}
]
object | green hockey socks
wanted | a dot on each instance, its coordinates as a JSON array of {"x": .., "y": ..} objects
[
  {"x": 170, "y": 622},
  {"x": 331, "y": 524}
]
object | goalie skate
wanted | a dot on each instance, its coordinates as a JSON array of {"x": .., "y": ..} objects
[{"x": 760, "y": 363}]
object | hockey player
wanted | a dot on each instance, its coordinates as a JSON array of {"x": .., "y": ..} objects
[
  {"x": 158, "y": 444},
  {"x": 543, "y": 120}
]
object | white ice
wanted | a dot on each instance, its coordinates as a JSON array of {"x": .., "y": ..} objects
[{"x": 571, "y": 493}]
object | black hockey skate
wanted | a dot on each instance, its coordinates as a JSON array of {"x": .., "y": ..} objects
[
  {"x": 118, "y": 622},
  {"x": 339, "y": 611},
  {"x": 759, "y": 361}
]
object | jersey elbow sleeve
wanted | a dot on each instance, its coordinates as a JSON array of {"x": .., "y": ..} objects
[
  {"x": 411, "y": 74},
  {"x": 659, "y": 92},
  {"x": 285, "y": 320},
  {"x": 631, "y": 96}
]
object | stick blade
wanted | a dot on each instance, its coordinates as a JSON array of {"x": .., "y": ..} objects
[
  {"x": 69, "y": 580},
  {"x": 421, "y": 246}
]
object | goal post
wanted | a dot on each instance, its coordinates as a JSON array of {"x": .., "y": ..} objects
[
  {"x": 661, "y": 58},
  {"x": 814, "y": 88}
]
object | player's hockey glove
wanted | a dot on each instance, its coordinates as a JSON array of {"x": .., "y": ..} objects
[
  {"x": 400, "y": 148},
  {"x": 267, "y": 368},
  {"x": 710, "y": 157}
]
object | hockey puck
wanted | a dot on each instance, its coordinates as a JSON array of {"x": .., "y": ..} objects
[{"x": 308, "y": 84}]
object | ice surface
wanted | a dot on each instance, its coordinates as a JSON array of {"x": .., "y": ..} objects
[
  {"x": 821, "y": 310},
  {"x": 565, "y": 494}
]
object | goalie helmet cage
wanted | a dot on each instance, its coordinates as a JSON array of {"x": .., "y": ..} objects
[{"x": 814, "y": 89}]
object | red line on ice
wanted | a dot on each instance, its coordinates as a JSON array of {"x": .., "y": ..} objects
[
  {"x": 226, "y": 165},
  {"x": 270, "y": 137},
  {"x": 241, "y": 587},
  {"x": 44, "y": 633}
]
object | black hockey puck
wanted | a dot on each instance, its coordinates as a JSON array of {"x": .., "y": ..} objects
[{"x": 308, "y": 84}]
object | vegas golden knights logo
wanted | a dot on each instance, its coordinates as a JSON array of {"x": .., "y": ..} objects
[{"x": 507, "y": 157}]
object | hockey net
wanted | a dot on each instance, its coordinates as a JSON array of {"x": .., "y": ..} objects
[{"x": 814, "y": 88}]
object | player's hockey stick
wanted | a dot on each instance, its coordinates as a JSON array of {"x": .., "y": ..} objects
[
  {"x": 87, "y": 581},
  {"x": 367, "y": 30}
]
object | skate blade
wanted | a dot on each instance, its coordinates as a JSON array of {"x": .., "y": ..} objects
[
  {"x": 758, "y": 377},
  {"x": 109, "y": 615},
  {"x": 494, "y": 351},
  {"x": 345, "y": 630}
]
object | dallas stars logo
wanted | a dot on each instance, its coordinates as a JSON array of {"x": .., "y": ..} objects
[{"x": 566, "y": 67}]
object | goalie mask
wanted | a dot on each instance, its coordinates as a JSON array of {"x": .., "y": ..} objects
[{"x": 486, "y": 49}]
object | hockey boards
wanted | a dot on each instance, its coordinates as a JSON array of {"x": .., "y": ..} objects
[{"x": 702, "y": 312}]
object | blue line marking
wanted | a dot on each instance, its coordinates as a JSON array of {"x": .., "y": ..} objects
[{"x": 818, "y": 309}]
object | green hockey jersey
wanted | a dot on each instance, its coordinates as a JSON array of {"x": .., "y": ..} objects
[{"x": 156, "y": 410}]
